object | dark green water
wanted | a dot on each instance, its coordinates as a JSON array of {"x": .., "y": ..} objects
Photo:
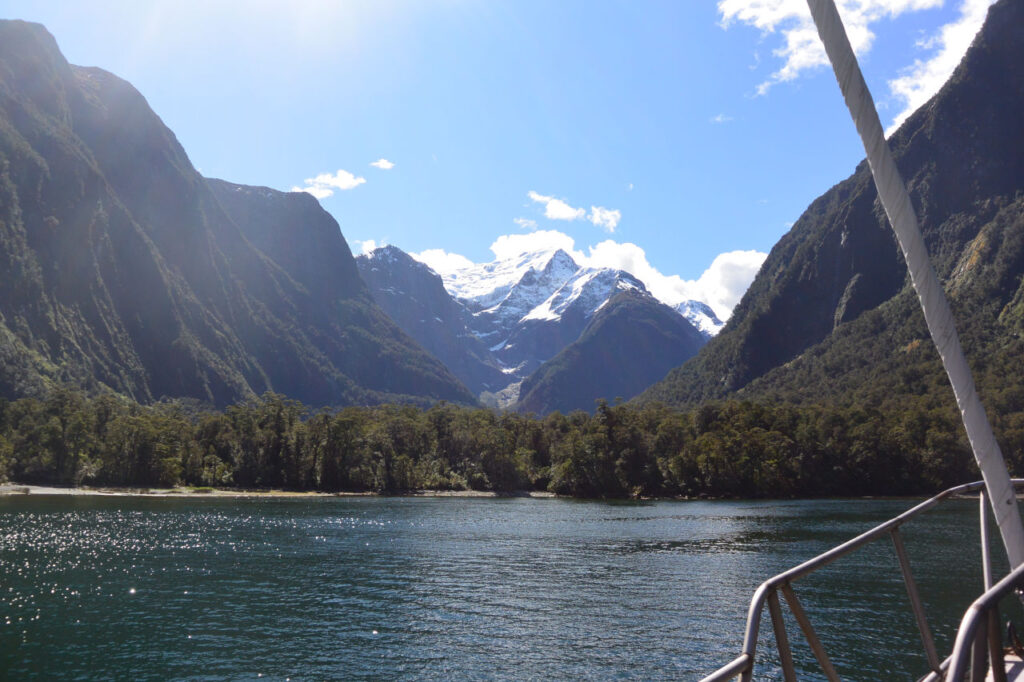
[{"x": 414, "y": 588}]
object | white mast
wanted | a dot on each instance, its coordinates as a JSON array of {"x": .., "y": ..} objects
[{"x": 937, "y": 315}]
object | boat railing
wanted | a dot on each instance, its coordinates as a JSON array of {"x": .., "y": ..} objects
[
  {"x": 978, "y": 647},
  {"x": 981, "y": 618}
]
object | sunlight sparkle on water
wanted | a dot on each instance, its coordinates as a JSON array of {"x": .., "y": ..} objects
[{"x": 501, "y": 589}]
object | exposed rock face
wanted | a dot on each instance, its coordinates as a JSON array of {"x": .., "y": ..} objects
[
  {"x": 123, "y": 268},
  {"x": 415, "y": 298}
]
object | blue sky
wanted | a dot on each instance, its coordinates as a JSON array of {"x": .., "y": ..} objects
[{"x": 659, "y": 135}]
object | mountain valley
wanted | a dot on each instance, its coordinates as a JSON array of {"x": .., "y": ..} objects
[{"x": 500, "y": 326}]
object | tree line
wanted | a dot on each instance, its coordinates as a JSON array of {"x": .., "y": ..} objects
[{"x": 726, "y": 449}]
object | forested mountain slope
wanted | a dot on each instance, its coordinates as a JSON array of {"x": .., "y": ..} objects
[
  {"x": 831, "y": 316},
  {"x": 122, "y": 268},
  {"x": 629, "y": 344}
]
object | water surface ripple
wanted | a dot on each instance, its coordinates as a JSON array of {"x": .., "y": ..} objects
[{"x": 421, "y": 588}]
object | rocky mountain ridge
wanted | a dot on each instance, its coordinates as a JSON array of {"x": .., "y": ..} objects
[{"x": 523, "y": 311}]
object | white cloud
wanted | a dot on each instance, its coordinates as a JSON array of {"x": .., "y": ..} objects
[
  {"x": 623, "y": 256},
  {"x": 605, "y": 217},
  {"x": 556, "y": 209},
  {"x": 510, "y": 245},
  {"x": 525, "y": 223},
  {"x": 801, "y": 50},
  {"x": 383, "y": 164},
  {"x": 728, "y": 277},
  {"x": 442, "y": 262},
  {"x": 323, "y": 185},
  {"x": 368, "y": 245},
  {"x": 922, "y": 80},
  {"x": 721, "y": 285},
  {"x": 721, "y": 118},
  {"x": 318, "y": 192},
  {"x": 629, "y": 187},
  {"x": 341, "y": 180}
]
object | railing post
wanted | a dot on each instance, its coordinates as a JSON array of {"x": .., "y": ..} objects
[
  {"x": 986, "y": 558},
  {"x": 969, "y": 650},
  {"x": 956, "y": 664},
  {"x": 781, "y": 641},
  {"x": 979, "y": 652},
  {"x": 809, "y": 634},
  {"x": 753, "y": 628},
  {"x": 915, "y": 601},
  {"x": 995, "y": 646}
]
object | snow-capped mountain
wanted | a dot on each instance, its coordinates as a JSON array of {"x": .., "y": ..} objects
[
  {"x": 521, "y": 311},
  {"x": 544, "y": 293},
  {"x": 701, "y": 316},
  {"x": 487, "y": 284},
  {"x": 588, "y": 289},
  {"x": 547, "y": 325},
  {"x": 517, "y": 288},
  {"x": 498, "y": 308},
  {"x": 528, "y": 321}
]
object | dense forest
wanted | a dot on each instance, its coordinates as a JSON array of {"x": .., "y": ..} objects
[
  {"x": 129, "y": 275},
  {"x": 731, "y": 449}
]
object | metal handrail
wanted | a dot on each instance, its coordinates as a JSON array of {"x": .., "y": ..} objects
[
  {"x": 973, "y": 626},
  {"x": 767, "y": 592}
]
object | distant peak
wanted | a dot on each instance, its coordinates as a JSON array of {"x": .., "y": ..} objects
[
  {"x": 393, "y": 257},
  {"x": 620, "y": 279},
  {"x": 701, "y": 316},
  {"x": 389, "y": 253},
  {"x": 630, "y": 283},
  {"x": 560, "y": 260},
  {"x": 698, "y": 306}
]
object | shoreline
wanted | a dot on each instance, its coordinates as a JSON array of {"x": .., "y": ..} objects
[
  {"x": 14, "y": 489},
  {"x": 22, "y": 489}
]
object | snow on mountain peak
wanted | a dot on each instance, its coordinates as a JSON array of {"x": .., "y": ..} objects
[
  {"x": 542, "y": 285},
  {"x": 588, "y": 289},
  {"x": 485, "y": 285},
  {"x": 701, "y": 316},
  {"x": 560, "y": 262}
]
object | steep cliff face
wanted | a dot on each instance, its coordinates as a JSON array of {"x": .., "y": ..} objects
[
  {"x": 123, "y": 268},
  {"x": 960, "y": 156},
  {"x": 415, "y": 298}
]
